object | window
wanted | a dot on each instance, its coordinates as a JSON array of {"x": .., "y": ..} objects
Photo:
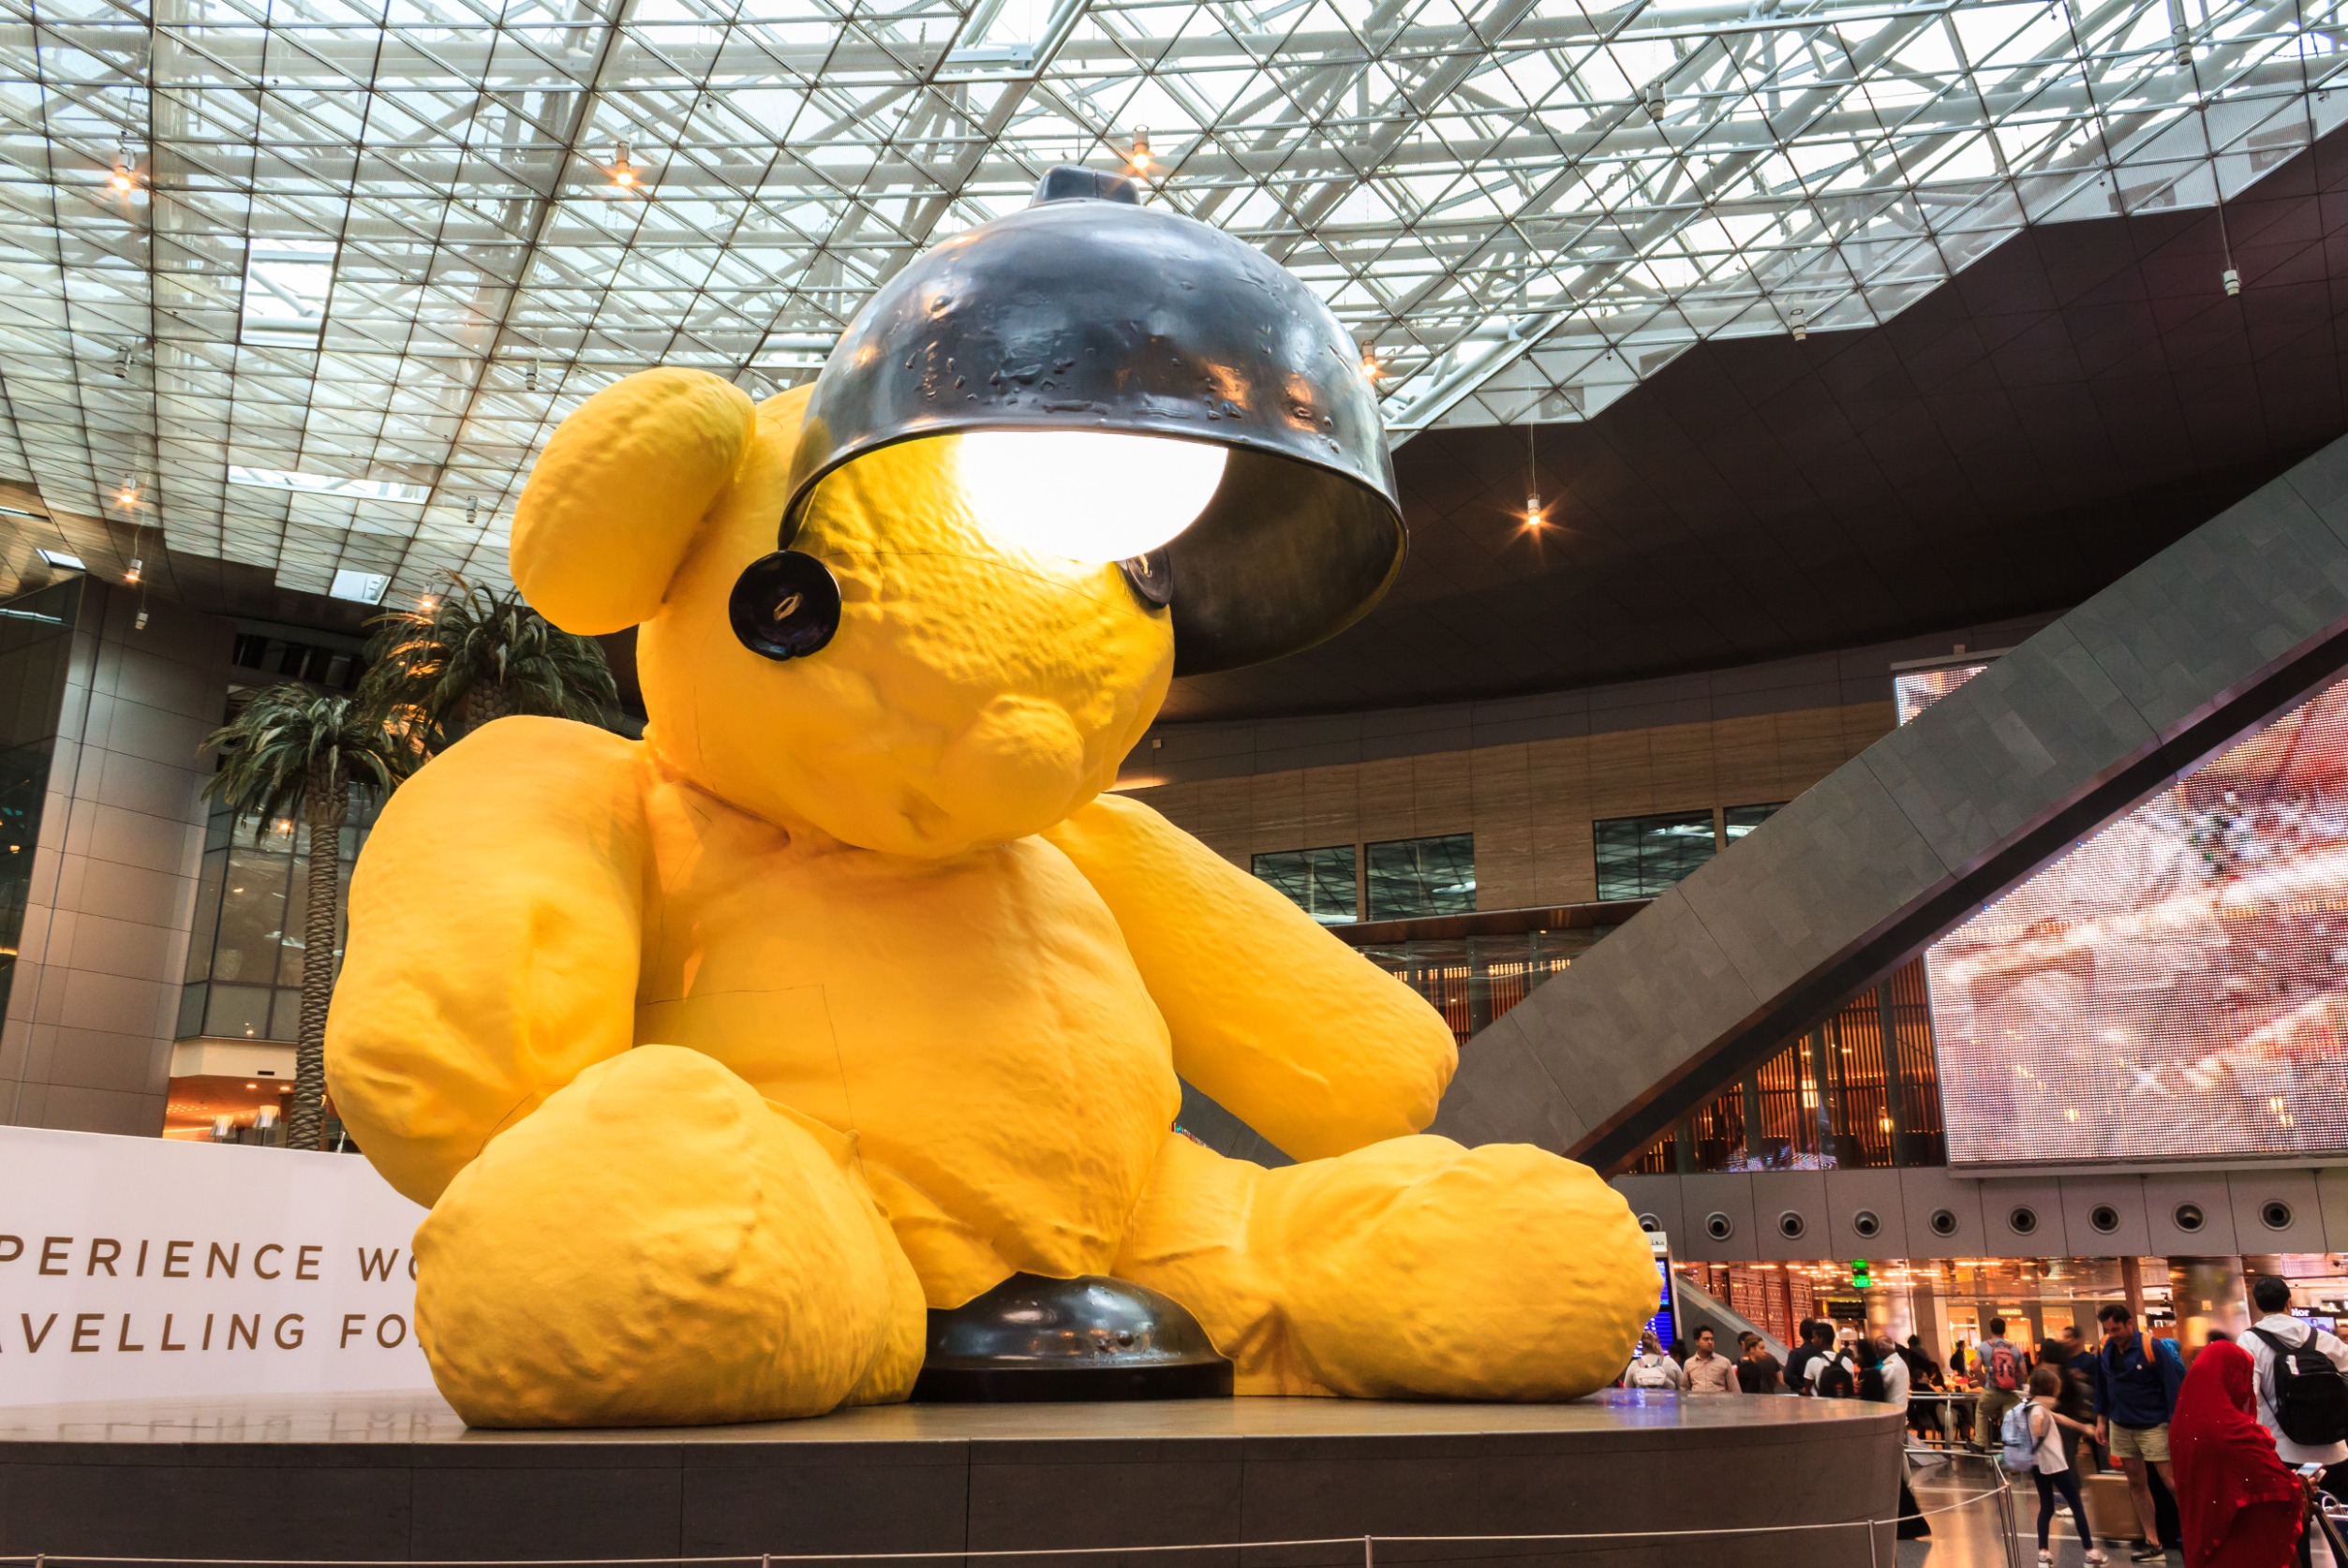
[
  {"x": 1637, "y": 857},
  {"x": 1319, "y": 881},
  {"x": 1411, "y": 877},
  {"x": 245, "y": 955},
  {"x": 1738, "y": 821}
]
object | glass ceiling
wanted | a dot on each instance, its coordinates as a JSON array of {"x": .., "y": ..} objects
[{"x": 303, "y": 285}]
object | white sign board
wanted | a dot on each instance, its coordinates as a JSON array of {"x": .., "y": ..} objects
[{"x": 141, "y": 1268}]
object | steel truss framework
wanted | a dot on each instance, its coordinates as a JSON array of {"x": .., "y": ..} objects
[{"x": 304, "y": 284}]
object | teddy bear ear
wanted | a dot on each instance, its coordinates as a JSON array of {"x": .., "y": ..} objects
[{"x": 615, "y": 498}]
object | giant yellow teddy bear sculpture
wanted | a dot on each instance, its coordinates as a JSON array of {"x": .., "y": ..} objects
[{"x": 847, "y": 993}]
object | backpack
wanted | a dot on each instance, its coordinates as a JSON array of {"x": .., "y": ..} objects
[
  {"x": 2004, "y": 1369},
  {"x": 1832, "y": 1379},
  {"x": 2310, "y": 1397},
  {"x": 2020, "y": 1451},
  {"x": 1644, "y": 1376}
]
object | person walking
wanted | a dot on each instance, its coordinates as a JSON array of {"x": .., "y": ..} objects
[
  {"x": 1833, "y": 1372},
  {"x": 2136, "y": 1384},
  {"x": 1652, "y": 1369},
  {"x": 2076, "y": 1399},
  {"x": 2240, "y": 1505},
  {"x": 2004, "y": 1369},
  {"x": 1815, "y": 1336},
  {"x": 1883, "y": 1377},
  {"x": 1759, "y": 1372},
  {"x": 2279, "y": 1344},
  {"x": 2051, "y": 1467},
  {"x": 1707, "y": 1371}
]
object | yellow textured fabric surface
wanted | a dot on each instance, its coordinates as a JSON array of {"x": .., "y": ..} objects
[
  {"x": 615, "y": 497},
  {"x": 905, "y": 999},
  {"x": 1412, "y": 1268},
  {"x": 455, "y": 1016},
  {"x": 974, "y": 694},
  {"x": 656, "y": 1246},
  {"x": 1288, "y": 1029}
]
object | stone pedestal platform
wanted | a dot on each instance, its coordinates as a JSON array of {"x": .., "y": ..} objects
[{"x": 1235, "y": 1482}]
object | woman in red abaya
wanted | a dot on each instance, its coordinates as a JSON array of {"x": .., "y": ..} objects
[{"x": 2240, "y": 1505}]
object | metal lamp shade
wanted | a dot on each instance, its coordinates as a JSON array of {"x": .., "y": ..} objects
[{"x": 1102, "y": 315}]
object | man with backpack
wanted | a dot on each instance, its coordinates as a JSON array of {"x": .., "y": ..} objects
[
  {"x": 2301, "y": 1379},
  {"x": 1833, "y": 1372},
  {"x": 2136, "y": 1380},
  {"x": 2004, "y": 1369},
  {"x": 1815, "y": 1337}
]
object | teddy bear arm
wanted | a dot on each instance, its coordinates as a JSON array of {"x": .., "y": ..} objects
[
  {"x": 1279, "y": 1022},
  {"x": 494, "y": 942}
]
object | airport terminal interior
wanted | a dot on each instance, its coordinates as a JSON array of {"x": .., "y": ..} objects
[{"x": 1174, "y": 782}]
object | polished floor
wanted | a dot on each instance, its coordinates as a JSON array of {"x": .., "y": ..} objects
[{"x": 1970, "y": 1534}]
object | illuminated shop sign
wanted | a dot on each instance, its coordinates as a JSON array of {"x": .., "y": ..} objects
[{"x": 2176, "y": 986}]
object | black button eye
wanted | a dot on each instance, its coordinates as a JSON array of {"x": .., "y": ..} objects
[
  {"x": 1150, "y": 577},
  {"x": 785, "y": 605}
]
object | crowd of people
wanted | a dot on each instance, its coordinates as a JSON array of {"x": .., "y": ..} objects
[{"x": 2217, "y": 1434}]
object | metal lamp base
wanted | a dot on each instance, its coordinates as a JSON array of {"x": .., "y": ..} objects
[{"x": 1094, "y": 1337}]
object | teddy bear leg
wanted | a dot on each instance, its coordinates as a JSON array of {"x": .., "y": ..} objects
[
  {"x": 657, "y": 1245},
  {"x": 1410, "y": 1268}
]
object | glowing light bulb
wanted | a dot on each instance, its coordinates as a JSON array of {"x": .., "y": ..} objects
[
  {"x": 1139, "y": 156},
  {"x": 121, "y": 179},
  {"x": 1087, "y": 495},
  {"x": 1532, "y": 512}
]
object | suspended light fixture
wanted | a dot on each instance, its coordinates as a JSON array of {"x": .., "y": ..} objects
[
  {"x": 623, "y": 173},
  {"x": 1800, "y": 324},
  {"x": 1139, "y": 155},
  {"x": 1532, "y": 475},
  {"x": 126, "y": 176},
  {"x": 136, "y": 567},
  {"x": 1236, "y": 468}
]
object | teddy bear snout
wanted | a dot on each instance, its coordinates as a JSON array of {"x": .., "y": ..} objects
[{"x": 1015, "y": 770}]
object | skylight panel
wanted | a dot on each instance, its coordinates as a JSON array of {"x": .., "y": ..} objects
[
  {"x": 327, "y": 484},
  {"x": 360, "y": 587},
  {"x": 286, "y": 284}
]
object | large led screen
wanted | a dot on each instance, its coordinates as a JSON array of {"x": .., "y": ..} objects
[{"x": 2176, "y": 986}]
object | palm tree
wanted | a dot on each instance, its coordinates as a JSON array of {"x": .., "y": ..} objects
[
  {"x": 293, "y": 753},
  {"x": 473, "y": 655}
]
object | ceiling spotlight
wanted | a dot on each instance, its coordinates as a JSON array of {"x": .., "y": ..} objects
[
  {"x": 1533, "y": 511},
  {"x": 472, "y": 511},
  {"x": 427, "y": 605},
  {"x": 1139, "y": 156},
  {"x": 1650, "y": 98},
  {"x": 1800, "y": 324},
  {"x": 2232, "y": 278},
  {"x": 128, "y": 494},
  {"x": 126, "y": 176},
  {"x": 1370, "y": 366},
  {"x": 141, "y": 624},
  {"x": 136, "y": 567},
  {"x": 529, "y": 378},
  {"x": 623, "y": 173}
]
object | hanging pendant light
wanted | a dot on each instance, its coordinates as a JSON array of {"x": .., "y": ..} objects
[{"x": 1132, "y": 385}]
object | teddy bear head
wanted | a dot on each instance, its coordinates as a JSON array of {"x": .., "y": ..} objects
[{"x": 973, "y": 692}]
